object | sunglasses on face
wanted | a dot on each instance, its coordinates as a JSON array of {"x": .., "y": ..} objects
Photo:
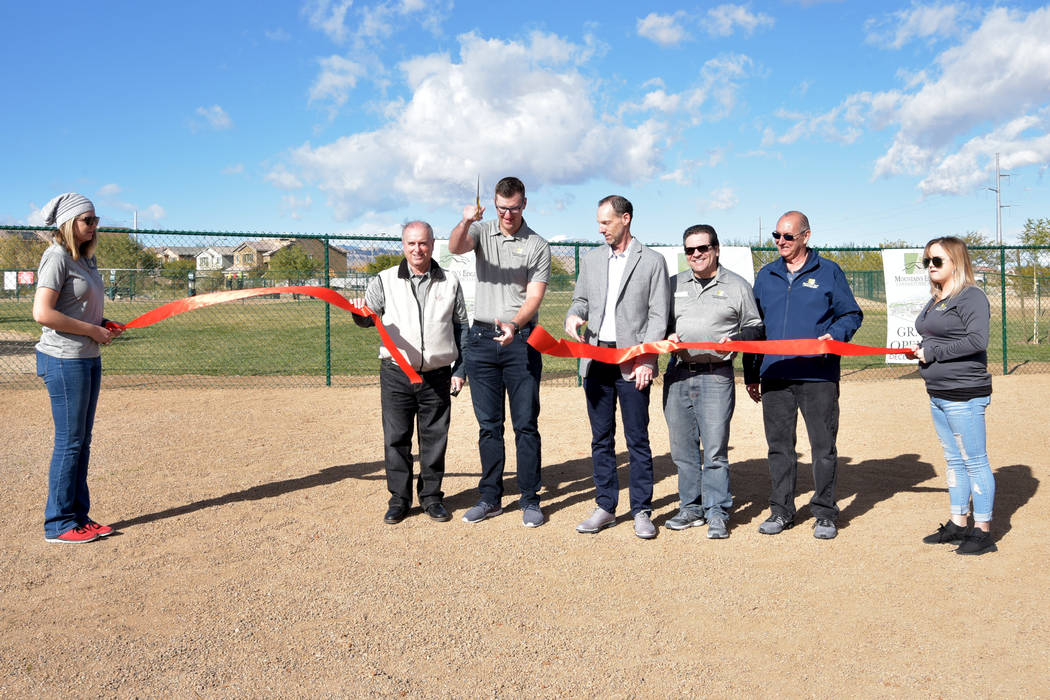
[
  {"x": 690, "y": 249},
  {"x": 937, "y": 261},
  {"x": 510, "y": 210},
  {"x": 89, "y": 220},
  {"x": 786, "y": 236}
]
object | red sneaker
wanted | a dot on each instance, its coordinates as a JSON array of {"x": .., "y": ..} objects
[
  {"x": 98, "y": 528},
  {"x": 77, "y": 535}
]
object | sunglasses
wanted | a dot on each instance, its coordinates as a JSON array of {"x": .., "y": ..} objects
[
  {"x": 937, "y": 261},
  {"x": 786, "y": 236},
  {"x": 690, "y": 249},
  {"x": 89, "y": 220},
  {"x": 510, "y": 210}
]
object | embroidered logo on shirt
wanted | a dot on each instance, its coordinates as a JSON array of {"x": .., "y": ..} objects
[
  {"x": 720, "y": 293},
  {"x": 811, "y": 283},
  {"x": 942, "y": 306}
]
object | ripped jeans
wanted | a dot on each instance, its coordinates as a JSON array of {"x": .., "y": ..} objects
[{"x": 960, "y": 426}]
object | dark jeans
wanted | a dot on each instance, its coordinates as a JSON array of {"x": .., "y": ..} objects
[
  {"x": 819, "y": 404},
  {"x": 497, "y": 374},
  {"x": 73, "y": 386},
  {"x": 602, "y": 387},
  {"x": 428, "y": 405}
]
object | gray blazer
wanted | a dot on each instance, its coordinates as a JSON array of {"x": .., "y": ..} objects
[{"x": 642, "y": 302}]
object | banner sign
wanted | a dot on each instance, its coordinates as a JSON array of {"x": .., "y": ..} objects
[
  {"x": 463, "y": 266},
  {"x": 907, "y": 291}
]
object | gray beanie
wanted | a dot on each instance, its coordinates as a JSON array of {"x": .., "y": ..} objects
[{"x": 65, "y": 207}]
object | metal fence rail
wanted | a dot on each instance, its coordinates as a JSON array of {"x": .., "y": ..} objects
[{"x": 291, "y": 340}]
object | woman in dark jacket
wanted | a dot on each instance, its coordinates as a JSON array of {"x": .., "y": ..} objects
[{"x": 953, "y": 361}]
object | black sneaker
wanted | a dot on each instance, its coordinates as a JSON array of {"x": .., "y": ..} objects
[
  {"x": 949, "y": 532},
  {"x": 977, "y": 542}
]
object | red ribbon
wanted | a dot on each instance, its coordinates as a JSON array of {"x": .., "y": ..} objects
[
  {"x": 547, "y": 344},
  {"x": 323, "y": 293}
]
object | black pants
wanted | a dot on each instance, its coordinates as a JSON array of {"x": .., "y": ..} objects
[
  {"x": 429, "y": 406},
  {"x": 818, "y": 402}
]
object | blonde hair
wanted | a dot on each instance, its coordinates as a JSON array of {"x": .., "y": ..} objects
[
  {"x": 65, "y": 236},
  {"x": 962, "y": 273}
]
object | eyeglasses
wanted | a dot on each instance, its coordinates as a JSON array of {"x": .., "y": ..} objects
[
  {"x": 786, "y": 236},
  {"x": 89, "y": 220},
  {"x": 937, "y": 261},
  {"x": 510, "y": 210},
  {"x": 690, "y": 249}
]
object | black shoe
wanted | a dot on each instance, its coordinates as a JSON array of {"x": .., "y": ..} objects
[
  {"x": 395, "y": 514},
  {"x": 977, "y": 542},
  {"x": 775, "y": 524},
  {"x": 438, "y": 511},
  {"x": 949, "y": 532}
]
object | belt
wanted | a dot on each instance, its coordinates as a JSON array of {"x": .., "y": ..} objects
[
  {"x": 701, "y": 367},
  {"x": 495, "y": 327},
  {"x": 607, "y": 343}
]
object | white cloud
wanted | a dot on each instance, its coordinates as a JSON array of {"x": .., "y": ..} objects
[
  {"x": 685, "y": 173},
  {"x": 215, "y": 116},
  {"x": 725, "y": 19},
  {"x": 712, "y": 97},
  {"x": 464, "y": 118},
  {"x": 918, "y": 22},
  {"x": 665, "y": 30},
  {"x": 281, "y": 178},
  {"x": 338, "y": 77},
  {"x": 235, "y": 169},
  {"x": 722, "y": 199},
  {"x": 294, "y": 205},
  {"x": 988, "y": 93},
  {"x": 110, "y": 190},
  {"x": 155, "y": 212},
  {"x": 328, "y": 16}
]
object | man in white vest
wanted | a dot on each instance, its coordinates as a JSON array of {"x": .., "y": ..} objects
[{"x": 422, "y": 307}]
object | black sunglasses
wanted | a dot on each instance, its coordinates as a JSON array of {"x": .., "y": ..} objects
[
  {"x": 937, "y": 261},
  {"x": 89, "y": 220},
  {"x": 786, "y": 236},
  {"x": 690, "y": 249}
]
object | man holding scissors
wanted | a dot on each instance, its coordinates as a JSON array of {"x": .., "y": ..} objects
[{"x": 513, "y": 268}]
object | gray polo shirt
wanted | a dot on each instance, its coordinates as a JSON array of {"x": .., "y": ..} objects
[
  {"x": 505, "y": 266},
  {"x": 725, "y": 307},
  {"x": 80, "y": 296}
]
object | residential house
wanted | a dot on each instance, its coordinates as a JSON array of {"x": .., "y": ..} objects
[{"x": 216, "y": 257}]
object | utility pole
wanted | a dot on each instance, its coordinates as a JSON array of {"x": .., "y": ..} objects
[{"x": 999, "y": 206}]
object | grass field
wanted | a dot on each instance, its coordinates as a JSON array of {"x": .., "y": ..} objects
[{"x": 286, "y": 338}]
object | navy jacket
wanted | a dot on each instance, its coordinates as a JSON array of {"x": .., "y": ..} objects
[{"x": 818, "y": 301}]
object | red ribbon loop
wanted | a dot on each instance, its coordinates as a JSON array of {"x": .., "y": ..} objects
[
  {"x": 323, "y": 293},
  {"x": 547, "y": 344}
]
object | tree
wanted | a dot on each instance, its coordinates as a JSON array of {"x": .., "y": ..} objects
[
  {"x": 122, "y": 252},
  {"x": 177, "y": 270},
  {"x": 19, "y": 252},
  {"x": 294, "y": 263},
  {"x": 981, "y": 258},
  {"x": 382, "y": 262}
]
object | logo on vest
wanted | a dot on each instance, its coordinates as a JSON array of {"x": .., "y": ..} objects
[{"x": 811, "y": 284}]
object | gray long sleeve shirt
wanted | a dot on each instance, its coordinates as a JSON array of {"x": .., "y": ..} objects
[{"x": 955, "y": 342}]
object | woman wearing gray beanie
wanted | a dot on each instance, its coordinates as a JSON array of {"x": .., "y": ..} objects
[{"x": 68, "y": 304}]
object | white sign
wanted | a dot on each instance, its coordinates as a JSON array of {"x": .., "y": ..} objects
[
  {"x": 10, "y": 279},
  {"x": 463, "y": 266},
  {"x": 907, "y": 291}
]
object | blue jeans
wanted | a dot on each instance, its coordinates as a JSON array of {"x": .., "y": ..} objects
[
  {"x": 72, "y": 385},
  {"x": 960, "y": 426},
  {"x": 496, "y": 374},
  {"x": 602, "y": 387},
  {"x": 698, "y": 406},
  {"x": 818, "y": 402}
]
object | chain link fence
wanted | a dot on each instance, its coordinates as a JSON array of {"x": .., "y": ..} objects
[{"x": 294, "y": 340}]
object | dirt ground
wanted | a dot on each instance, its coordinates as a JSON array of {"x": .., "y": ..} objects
[{"x": 252, "y": 561}]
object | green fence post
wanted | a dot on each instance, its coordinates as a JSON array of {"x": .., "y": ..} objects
[
  {"x": 327, "y": 321},
  {"x": 1002, "y": 297},
  {"x": 576, "y": 267}
]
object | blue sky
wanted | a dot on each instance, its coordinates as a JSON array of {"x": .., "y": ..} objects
[{"x": 879, "y": 120}]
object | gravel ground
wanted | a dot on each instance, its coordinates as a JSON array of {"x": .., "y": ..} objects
[{"x": 252, "y": 561}]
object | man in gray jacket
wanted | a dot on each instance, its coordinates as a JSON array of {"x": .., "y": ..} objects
[
  {"x": 422, "y": 308},
  {"x": 622, "y": 297}
]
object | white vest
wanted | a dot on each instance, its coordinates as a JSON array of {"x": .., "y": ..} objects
[{"x": 424, "y": 335}]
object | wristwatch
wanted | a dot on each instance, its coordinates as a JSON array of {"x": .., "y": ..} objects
[{"x": 516, "y": 326}]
